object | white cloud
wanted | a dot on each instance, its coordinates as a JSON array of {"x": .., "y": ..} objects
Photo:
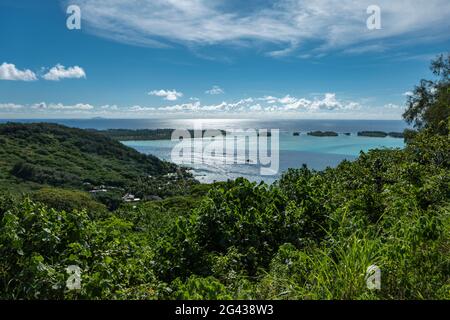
[
  {"x": 10, "y": 106},
  {"x": 287, "y": 24},
  {"x": 170, "y": 95},
  {"x": 408, "y": 93},
  {"x": 195, "y": 106},
  {"x": 329, "y": 102},
  {"x": 109, "y": 107},
  {"x": 215, "y": 90},
  {"x": 59, "y": 72},
  {"x": 284, "y": 100},
  {"x": 287, "y": 100},
  {"x": 8, "y": 71},
  {"x": 269, "y": 104},
  {"x": 60, "y": 106},
  {"x": 269, "y": 99},
  {"x": 256, "y": 107},
  {"x": 140, "y": 108}
]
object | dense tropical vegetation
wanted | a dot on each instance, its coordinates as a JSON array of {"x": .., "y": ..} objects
[{"x": 311, "y": 235}]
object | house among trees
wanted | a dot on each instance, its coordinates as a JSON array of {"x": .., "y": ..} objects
[{"x": 130, "y": 198}]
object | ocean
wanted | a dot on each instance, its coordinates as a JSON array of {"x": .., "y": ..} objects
[{"x": 293, "y": 151}]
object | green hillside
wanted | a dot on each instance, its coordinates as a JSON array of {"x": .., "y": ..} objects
[{"x": 32, "y": 155}]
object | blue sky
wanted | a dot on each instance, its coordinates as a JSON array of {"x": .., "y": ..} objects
[{"x": 216, "y": 58}]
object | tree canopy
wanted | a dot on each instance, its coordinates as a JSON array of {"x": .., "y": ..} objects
[{"x": 429, "y": 104}]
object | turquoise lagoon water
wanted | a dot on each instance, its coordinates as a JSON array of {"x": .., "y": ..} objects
[{"x": 294, "y": 151}]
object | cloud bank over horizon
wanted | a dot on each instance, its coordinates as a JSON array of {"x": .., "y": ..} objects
[
  {"x": 170, "y": 95},
  {"x": 326, "y": 106}
]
